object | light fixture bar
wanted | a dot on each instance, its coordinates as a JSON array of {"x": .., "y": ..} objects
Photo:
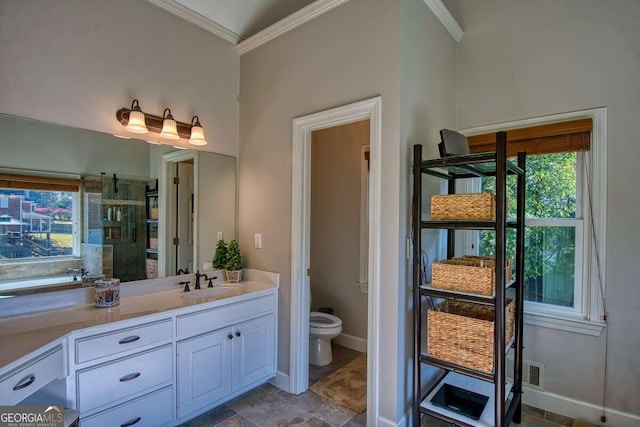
[{"x": 154, "y": 123}]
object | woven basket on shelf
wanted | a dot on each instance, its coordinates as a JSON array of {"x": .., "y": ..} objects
[
  {"x": 463, "y": 207},
  {"x": 462, "y": 333},
  {"x": 469, "y": 274}
]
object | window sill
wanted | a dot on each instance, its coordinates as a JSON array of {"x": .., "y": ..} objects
[{"x": 562, "y": 323}]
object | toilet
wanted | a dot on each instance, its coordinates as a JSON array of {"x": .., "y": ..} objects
[{"x": 323, "y": 328}]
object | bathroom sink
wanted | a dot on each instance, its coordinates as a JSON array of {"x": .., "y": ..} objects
[{"x": 215, "y": 292}]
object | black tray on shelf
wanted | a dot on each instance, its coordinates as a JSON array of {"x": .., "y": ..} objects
[{"x": 459, "y": 400}]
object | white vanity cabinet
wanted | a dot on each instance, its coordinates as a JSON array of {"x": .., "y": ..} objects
[
  {"x": 31, "y": 375},
  {"x": 216, "y": 366}
]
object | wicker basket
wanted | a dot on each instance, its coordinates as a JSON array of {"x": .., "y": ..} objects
[
  {"x": 463, "y": 207},
  {"x": 469, "y": 274},
  {"x": 153, "y": 243},
  {"x": 462, "y": 333},
  {"x": 153, "y": 213}
]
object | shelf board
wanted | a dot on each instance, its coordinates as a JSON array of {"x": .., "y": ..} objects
[
  {"x": 487, "y": 419},
  {"x": 461, "y": 296},
  {"x": 151, "y": 251},
  {"x": 474, "y": 373},
  {"x": 466, "y": 166},
  {"x": 152, "y": 221},
  {"x": 464, "y": 225}
]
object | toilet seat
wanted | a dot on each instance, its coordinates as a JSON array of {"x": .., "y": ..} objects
[{"x": 323, "y": 320}]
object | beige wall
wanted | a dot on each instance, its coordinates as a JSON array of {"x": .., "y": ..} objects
[
  {"x": 521, "y": 59},
  {"x": 335, "y": 224},
  {"x": 76, "y": 62}
]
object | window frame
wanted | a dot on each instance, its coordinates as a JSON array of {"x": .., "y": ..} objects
[{"x": 593, "y": 173}]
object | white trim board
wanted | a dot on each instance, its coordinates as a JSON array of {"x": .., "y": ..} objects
[
  {"x": 281, "y": 380},
  {"x": 577, "y": 409},
  {"x": 195, "y": 18},
  {"x": 300, "y": 245},
  {"x": 442, "y": 13},
  {"x": 307, "y": 13},
  {"x": 349, "y": 341}
]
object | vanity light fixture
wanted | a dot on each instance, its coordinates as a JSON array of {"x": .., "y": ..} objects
[
  {"x": 169, "y": 126},
  {"x": 136, "y": 121},
  {"x": 197, "y": 133}
]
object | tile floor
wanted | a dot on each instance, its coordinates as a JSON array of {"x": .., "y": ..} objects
[{"x": 268, "y": 406}]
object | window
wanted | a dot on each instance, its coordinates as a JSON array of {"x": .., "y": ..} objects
[
  {"x": 37, "y": 217},
  {"x": 36, "y": 224},
  {"x": 565, "y": 216},
  {"x": 554, "y": 230}
]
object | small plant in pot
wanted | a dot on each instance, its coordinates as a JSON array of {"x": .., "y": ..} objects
[
  {"x": 234, "y": 266},
  {"x": 219, "y": 261}
]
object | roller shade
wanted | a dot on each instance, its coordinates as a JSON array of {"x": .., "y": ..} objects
[
  {"x": 561, "y": 137},
  {"x": 26, "y": 182}
]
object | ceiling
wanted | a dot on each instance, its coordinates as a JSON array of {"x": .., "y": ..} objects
[{"x": 243, "y": 17}]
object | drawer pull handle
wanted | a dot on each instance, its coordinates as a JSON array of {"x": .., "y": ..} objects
[
  {"x": 25, "y": 382},
  {"x": 130, "y": 377},
  {"x": 131, "y": 422},
  {"x": 128, "y": 340},
  {"x": 238, "y": 333}
]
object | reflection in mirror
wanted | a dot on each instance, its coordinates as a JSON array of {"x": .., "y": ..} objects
[{"x": 77, "y": 205}]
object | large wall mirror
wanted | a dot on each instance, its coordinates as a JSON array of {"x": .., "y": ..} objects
[{"x": 77, "y": 204}]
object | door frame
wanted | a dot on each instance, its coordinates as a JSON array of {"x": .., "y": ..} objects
[
  {"x": 300, "y": 241},
  {"x": 167, "y": 213}
]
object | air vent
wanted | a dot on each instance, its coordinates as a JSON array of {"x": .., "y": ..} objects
[{"x": 532, "y": 374}]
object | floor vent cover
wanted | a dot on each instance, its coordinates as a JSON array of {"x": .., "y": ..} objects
[{"x": 532, "y": 374}]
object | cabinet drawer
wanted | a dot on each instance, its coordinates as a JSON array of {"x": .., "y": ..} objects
[
  {"x": 225, "y": 315},
  {"x": 112, "y": 343},
  {"x": 152, "y": 410},
  {"x": 113, "y": 381},
  {"x": 35, "y": 374}
]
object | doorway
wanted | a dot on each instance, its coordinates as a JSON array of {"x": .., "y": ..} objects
[
  {"x": 300, "y": 244},
  {"x": 183, "y": 230}
]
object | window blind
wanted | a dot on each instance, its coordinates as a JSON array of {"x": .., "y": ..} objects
[
  {"x": 26, "y": 182},
  {"x": 560, "y": 137}
]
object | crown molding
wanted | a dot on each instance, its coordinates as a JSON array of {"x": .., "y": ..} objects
[
  {"x": 442, "y": 13},
  {"x": 196, "y": 18},
  {"x": 307, "y": 13}
]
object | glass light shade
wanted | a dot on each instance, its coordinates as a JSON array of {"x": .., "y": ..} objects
[
  {"x": 169, "y": 129},
  {"x": 197, "y": 136},
  {"x": 136, "y": 122}
]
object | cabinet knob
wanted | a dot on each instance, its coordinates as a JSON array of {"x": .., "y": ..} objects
[
  {"x": 230, "y": 336},
  {"x": 238, "y": 333}
]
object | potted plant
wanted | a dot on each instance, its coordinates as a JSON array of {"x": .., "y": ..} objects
[
  {"x": 234, "y": 266},
  {"x": 219, "y": 261}
]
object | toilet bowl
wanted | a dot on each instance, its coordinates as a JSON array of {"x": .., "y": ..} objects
[{"x": 323, "y": 328}]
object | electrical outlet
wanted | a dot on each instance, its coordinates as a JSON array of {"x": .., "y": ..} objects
[
  {"x": 258, "y": 241},
  {"x": 220, "y": 235}
]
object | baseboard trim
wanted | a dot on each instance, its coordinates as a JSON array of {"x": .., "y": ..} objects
[
  {"x": 577, "y": 409},
  {"x": 281, "y": 380},
  {"x": 384, "y": 422},
  {"x": 349, "y": 341}
]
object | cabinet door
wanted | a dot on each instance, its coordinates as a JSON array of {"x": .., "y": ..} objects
[
  {"x": 204, "y": 370},
  {"x": 254, "y": 354}
]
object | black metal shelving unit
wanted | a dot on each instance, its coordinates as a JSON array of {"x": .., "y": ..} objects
[{"x": 452, "y": 168}]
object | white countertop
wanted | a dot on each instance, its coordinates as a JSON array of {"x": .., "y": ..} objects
[{"x": 21, "y": 334}]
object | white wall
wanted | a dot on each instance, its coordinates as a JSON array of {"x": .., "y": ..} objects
[
  {"x": 521, "y": 59},
  {"x": 346, "y": 55},
  {"x": 335, "y": 224},
  {"x": 428, "y": 105},
  {"x": 77, "y": 62},
  {"x": 354, "y": 52}
]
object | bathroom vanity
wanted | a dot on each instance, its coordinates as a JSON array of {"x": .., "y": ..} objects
[{"x": 159, "y": 358}]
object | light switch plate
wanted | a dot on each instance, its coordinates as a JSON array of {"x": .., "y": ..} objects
[
  {"x": 258, "y": 241},
  {"x": 220, "y": 235}
]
